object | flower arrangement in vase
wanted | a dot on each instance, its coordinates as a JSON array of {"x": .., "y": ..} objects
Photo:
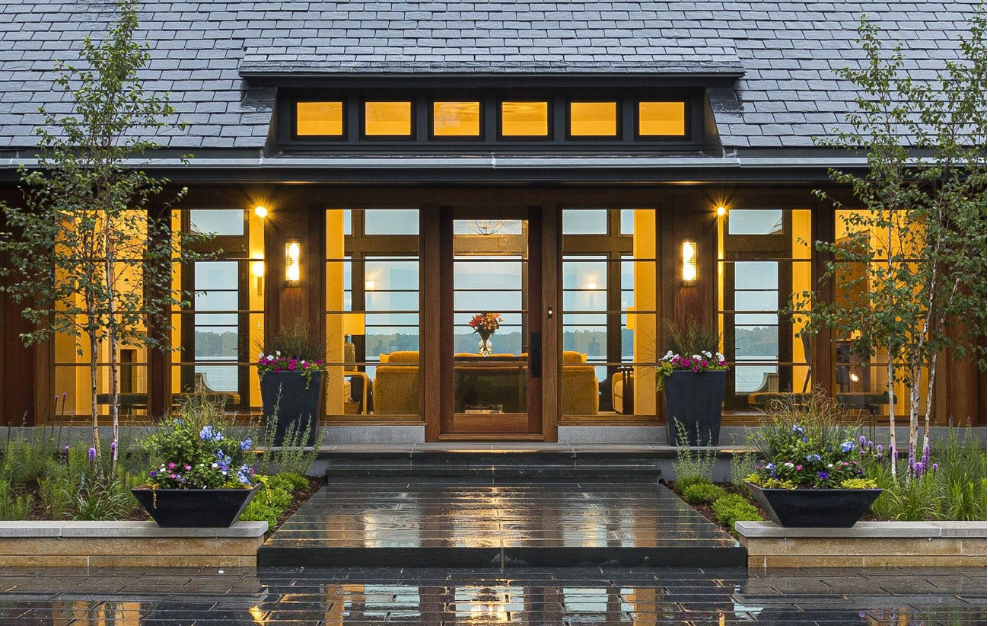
[{"x": 485, "y": 325}]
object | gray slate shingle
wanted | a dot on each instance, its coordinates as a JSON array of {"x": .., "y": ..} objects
[{"x": 788, "y": 50}]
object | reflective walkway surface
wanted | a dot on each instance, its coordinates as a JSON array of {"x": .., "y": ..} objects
[
  {"x": 539, "y": 523},
  {"x": 574, "y": 596}
]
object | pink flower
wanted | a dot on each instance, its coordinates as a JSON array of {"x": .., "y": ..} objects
[
  {"x": 799, "y": 467},
  {"x": 171, "y": 466}
]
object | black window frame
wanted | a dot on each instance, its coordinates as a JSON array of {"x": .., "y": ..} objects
[{"x": 423, "y": 140}]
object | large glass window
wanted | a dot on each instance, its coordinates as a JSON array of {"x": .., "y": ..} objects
[
  {"x": 372, "y": 314},
  {"x": 220, "y": 334},
  {"x": 610, "y": 313},
  {"x": 861, "y": 378},
  {"x": 762, "y": 260},
  {"x": 72, "y": 354}
]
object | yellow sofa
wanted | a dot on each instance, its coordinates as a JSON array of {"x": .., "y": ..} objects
[{"x": 397, "y": 384}]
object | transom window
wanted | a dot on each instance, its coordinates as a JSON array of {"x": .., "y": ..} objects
[{"x": 525, "y": 119}]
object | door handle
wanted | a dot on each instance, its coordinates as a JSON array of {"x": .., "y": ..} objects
[{"x": 535, "y": 364}]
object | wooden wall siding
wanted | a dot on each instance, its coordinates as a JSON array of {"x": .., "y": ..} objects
[
  {"x": 430, "y": 319},
  {"x": 551, "y": 326}
]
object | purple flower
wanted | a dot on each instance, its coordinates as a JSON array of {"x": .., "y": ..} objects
[
  {"x": 113, "y": 446},
  {"x": 880, "y": 450},
  {"x": 66, "y": 450},
  {"x": 895, "y": 454},
  {"x": 935, "y": 467},
  {"x": 847, "y": 446},
  {"x": 822, "y": 475},
  {"x": 92, "y": 454},
  {"x": 246, "y": 444},
  {"x": 863, "y": 441},
  {"x": 919, "y": 468},
  {"x": 152, "y": 473}
]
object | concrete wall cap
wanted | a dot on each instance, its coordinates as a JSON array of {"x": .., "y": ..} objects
[
  {"x": 109, "y": 530},
  {"x": 862, "y": 530}
]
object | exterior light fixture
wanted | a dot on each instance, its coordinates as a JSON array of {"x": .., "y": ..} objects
[
  {"x": 854, "y": 377},
  {"x": 721, "y": 211},
  {"x": 293, "y": 261},
  {"x": 591, "y": 286},
  {"x": 261, "y": 212},
  {"x": 689, "y": 262},
  {"x": 257, "y": 269}
]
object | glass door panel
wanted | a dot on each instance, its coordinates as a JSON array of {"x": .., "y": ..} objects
[{"x": 489, "y": 337}]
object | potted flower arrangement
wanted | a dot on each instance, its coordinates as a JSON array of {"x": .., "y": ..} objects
[
  {"x": 810, "y": 473},
  {"x": 203, "y": 479},
  {"x": 693, "y": 374},
  {"x": 293, "y": 382},
  {"x": 485, "y": 325}
]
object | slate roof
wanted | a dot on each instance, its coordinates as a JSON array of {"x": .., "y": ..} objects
[{"x": 788, "y": 51}]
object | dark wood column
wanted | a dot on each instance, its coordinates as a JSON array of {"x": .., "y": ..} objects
[
  {"x": 551, "y": 326},
  {"x": 285, "y": 303},
  {"x": 430, "y": 319},
  {"x": 823, "y": 229},
  {"x": 159, "y": 326}
]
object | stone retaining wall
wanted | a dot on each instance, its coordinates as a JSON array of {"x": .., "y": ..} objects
[
  {"x": 128, "y": 544},
  {"x": 867, "y": 544}
]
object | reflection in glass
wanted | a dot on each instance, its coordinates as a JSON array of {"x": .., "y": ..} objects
[
  {"x": 319, "y": 119},
  {"x": 593, "y": 119},
  {"x": 661, "y": 119},
  {"x": 223, "y": 222},
  {"x": 525, "y": 119},
  {"x": 754, "y": 222},
  {"x": 456, "y": 119},
  {"x": 388, "y": 119}
]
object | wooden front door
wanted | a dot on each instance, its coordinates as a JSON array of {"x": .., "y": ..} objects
[{"x": 491, "y": 327}]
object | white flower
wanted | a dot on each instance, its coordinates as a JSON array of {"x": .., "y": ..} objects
[
  {"x": 697, "y": 357},
  {"x": 277, "y": 352},
  {"x": 668, "y": 356},
  {"x": 260, "y": 356},
  {"x": 720, "y": 357},
  {"x": 707, "y": 354}
]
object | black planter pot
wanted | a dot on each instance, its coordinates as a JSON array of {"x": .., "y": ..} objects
[
  {"x": 194, "y": 508},
  {"x": 299, "y": 405},
  {"x": 695, "y": 401},
  {"x": 815, "y": 508}
]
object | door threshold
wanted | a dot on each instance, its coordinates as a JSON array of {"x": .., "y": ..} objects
[{"x": 491, "y": 437}]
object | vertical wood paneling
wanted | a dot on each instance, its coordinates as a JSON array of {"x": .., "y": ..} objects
[
  {"x": 824, "y": 229},
  {"x": 551, "y": 353},
  {"x": 430, "y": 319}
]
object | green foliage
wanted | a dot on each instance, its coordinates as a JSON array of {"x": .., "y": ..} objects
[
  {"x": 299, "y": 341},
  {"x": 913, "y": 261},
  {"x": 292, "y": 456},
  {"x": 84, "y": 254},
  {"x": 734, "y": 508},
  {"x": 692, "y": 465},
  {"x": 951, "y": 485},
  {"x": 194, "y": 456},
  {"x": 274, "y": 497},
  {"x": 692, "y": 337},
  {"x": 702, "y": 493},
  {"x": 13, "y": 506},
  {"x": 742, "y": 465}
]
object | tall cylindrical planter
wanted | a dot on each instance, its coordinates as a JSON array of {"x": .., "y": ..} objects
[
  {"x": 695, "y": 401},
  {"x": 301, "y": 402}
]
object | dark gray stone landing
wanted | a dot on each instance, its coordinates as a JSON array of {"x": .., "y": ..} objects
[{"x": 546, "y": 523}]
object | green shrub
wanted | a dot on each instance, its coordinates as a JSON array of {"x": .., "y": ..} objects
[
  {"x": 734, "y": 508},
  {"x": 742, "y": 465},
  {"x": 702, "y": 493},
  {"x": 274, "y": 497},
  {"x": 693, "y": 466},
  {"x": 12, "y": 506}
]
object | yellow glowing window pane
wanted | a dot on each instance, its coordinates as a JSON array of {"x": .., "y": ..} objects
[
  {"x": 388, "y": 118},
  {"x": 319, "y": 118},
  {"x": 524, "y": 119},
  {"x": 456, "y": 119},
  {"x": 661, "y": 118},
  {"x": 593, "y": 119}
]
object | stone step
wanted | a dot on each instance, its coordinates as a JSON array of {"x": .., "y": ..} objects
[
  {"x": 534, "y": 523},
  {"x": 482, "y": 465}
]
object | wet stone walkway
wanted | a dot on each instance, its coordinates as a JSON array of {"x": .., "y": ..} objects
[
  {"x": 428, "y": 597},
  {"x": 544, "y": 523}
]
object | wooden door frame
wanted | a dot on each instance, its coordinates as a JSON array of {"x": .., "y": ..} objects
[{"x": 441, "y": 396}]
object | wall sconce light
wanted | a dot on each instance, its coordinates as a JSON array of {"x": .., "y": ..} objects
[
  {"x": 293, "y": 261},
  {"x": 369, "y": 285},
  {"x": 689, "y": 262},
  {"x": 721, "y": 211},
  {"x": 257, "y": 269},
  {"x": 261, "y": 212}
]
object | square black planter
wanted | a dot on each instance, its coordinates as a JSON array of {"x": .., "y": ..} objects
[
  {"x": 300, "y": 403},
  {"x": 194, "y": 508},
  {"x": 815, "y": 508},
  {"x": 695, "y": 400}
]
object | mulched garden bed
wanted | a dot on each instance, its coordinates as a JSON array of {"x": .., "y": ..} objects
[{"x": 298, "y": 499}]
